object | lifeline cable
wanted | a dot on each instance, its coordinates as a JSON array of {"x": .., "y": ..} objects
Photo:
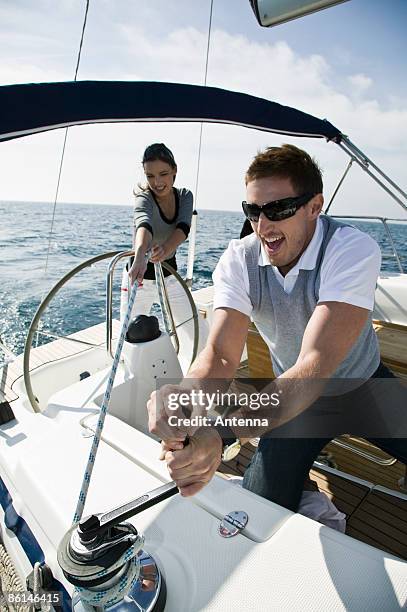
[{"x": 103, "y": 410}]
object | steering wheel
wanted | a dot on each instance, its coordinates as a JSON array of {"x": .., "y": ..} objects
[{"x": 52, "y": 293}]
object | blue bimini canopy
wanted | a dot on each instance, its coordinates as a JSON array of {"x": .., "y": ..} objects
[{"x": 39, "y": 107}]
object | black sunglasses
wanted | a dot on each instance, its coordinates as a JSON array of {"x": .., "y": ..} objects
[{"x": 278, "y": 209}]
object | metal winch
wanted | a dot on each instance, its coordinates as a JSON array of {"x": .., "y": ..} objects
[{"x": 102, "y": 556}]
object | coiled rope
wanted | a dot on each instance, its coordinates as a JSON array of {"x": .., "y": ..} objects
[
  {"x": 111, "y": 596},
  {"x": 9, "y": 581}
]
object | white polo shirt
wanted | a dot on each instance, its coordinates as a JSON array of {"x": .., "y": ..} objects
[{"x": 349, "y": 270}]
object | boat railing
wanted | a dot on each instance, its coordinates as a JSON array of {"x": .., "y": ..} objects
[
  {"x": 384, "y": 221},
  {"x": 109, "y": 297},
  {"x": 168, "y": 318},
  {"x": 8, "y": 358},
  {"x": 343, "y": 443}
]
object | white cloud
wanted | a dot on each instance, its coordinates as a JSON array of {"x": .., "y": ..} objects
[
  {"x": 105, "y": 158},
  {"x": 360, "y": 83},
  {"x": 273, "y": 71}
]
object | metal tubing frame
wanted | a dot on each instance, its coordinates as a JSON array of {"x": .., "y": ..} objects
[
  {"x": 393, "y": 246},
  {"x": 168, "y": 318},
  {"x": 387, "y": 229},
  {"x": 114, "y": 256},
  {"x": 358, "y": 153},
  {"x": 58, "y": 337},
  {"x": 8, "y": 359},
  {"x": 192, "y": 304},
  {"x": 339, "y": 184},
  {"x": 364, "y": 162},
  {"x": 9, "y": 355},
  {"x": 191, "y": 249},
  {"x": 369, "y": 456},
  {"x": 34, "y": 323},
  {"x": 109, "y": 297}
]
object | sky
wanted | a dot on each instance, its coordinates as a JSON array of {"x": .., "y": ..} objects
[{"x": 346, "y": 64}]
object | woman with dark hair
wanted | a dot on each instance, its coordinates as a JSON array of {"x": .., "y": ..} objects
[{"x": 162, "y": 218}]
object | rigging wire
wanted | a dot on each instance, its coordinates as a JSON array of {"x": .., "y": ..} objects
[
  {"x": 64, "y": 143},
  {"x": 205, "y": 82},
  {"x": 192, "y": 237}
]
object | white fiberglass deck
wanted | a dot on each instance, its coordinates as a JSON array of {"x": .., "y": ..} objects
[{"x": 281, "y": 561}]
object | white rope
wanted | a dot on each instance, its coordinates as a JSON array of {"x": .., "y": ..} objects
[
  {"x": 111, "y": 596},
  {"x": 130, "y": 558},
  {"x": 103, "y": 410}
]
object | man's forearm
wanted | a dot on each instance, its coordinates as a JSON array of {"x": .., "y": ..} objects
[
  {"x": 282, "y": 400},
  {"x": 210, "y": 369},
  {"x": 330, "y": 334},
  {"x": 215, "y": 367}
]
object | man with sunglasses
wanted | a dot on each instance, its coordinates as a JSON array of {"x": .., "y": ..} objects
[{"x": 308, "y": 283}]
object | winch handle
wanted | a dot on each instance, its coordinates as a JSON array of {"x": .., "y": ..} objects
[{"x": 92, "y": 525}]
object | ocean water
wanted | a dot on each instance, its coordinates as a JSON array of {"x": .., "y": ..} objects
[{"x": 83, "y": 231}]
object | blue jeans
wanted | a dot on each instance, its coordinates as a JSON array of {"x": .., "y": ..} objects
[{"x": 280, "y": 465}]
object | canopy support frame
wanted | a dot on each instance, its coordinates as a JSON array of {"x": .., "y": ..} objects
[
  {"x": 340, "y": 184},
  {"x": 365, "y": 163}
]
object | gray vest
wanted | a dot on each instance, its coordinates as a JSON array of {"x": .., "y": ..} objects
[{"x": 281, "y": 318}]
